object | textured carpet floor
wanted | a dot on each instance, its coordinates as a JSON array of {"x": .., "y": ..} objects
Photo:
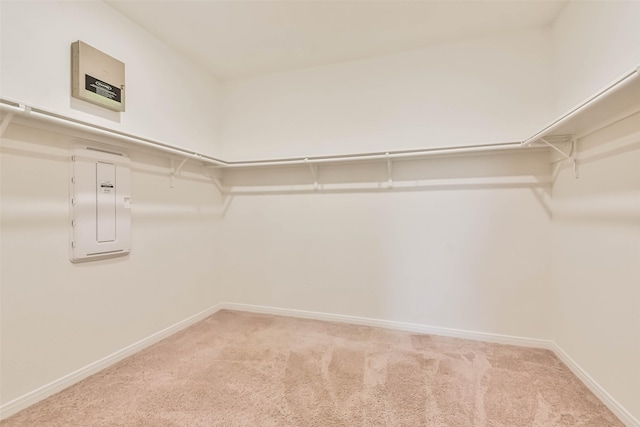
[{"x": 242, "y": 369}]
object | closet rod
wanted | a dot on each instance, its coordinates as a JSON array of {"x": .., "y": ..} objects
[
  {"x": 613, "y": 87},
  {"x": 381, "y": 156},
  {"x": 24, "y": 110}
]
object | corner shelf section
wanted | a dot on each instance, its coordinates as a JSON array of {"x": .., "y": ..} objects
[{"x": 615, "y": 102}]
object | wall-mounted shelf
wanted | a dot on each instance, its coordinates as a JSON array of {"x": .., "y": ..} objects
[
  {"x": 616, "y": 101},
  {"x": 23, "y": 114}
]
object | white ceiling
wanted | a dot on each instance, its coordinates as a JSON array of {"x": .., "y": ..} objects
[{"x": 239, "y": 38}]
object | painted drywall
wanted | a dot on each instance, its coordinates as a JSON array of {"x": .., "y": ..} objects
[
  {"x": 596, "y": 261},
  {"x": 595, "y": 42},
  {"x": 487, "y": 90},
  {"x": 168, "y": 98},
  {"x": 464, "y": 245},
  {"x": 57, "y": 317}
]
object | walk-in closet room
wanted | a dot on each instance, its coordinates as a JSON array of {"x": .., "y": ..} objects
[{"x": 320, "y": 213}]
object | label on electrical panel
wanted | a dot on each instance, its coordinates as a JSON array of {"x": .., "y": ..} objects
[
  {"x": 106, "y": 186},
  {"x": 101, "y": 88}
]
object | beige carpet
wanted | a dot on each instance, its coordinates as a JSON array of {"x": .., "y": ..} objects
[{"x": 241, "y": 369}]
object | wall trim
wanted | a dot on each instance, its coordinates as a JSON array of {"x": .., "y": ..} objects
[
  {"x": 60, "y": 384},
  {"x": 614, "y": 406},
  {"x": 41, "y": 393},
  {"x": 392, "y": 324}
]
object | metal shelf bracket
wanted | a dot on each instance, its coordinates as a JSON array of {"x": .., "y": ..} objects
[
  {"x": 389, "y": 171},
  {"x": 314, "y": 173},
  {"x": 176, "y": 170},
  {"x": 570, "y": 158},
  {"x": 5, "y": 123}
]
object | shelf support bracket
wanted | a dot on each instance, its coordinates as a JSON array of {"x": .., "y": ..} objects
[
  {"x": 217, "y": 179},
  {"x": 176, "y": 171},
  {"x": 571, "y": 157},
  {"x": 218, "y": 183},
  {"x": 5, "y": 123},
  {"x": 314, "y": 173},
  {"x": 389, "y": 171}
]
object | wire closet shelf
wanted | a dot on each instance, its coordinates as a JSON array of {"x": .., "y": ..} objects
[{"x": 616, "y": 101}]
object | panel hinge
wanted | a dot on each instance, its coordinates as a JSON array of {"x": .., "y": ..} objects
[
  {"x": 73, "y": 179},
  {"x": 73, "y": 244},
  {"x": 73, "y": 222},
  {"x": 73, "y": 201}
]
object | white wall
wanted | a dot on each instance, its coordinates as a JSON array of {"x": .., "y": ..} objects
[
  {"x": 594, "y": 42},
  {"x": 596, "y": 227},
  {"x": 463, "y": 246},
  {"x": 57, "y": 316},
  {"x": 596, "y": 261},
  {"x": 494, "y": 89},
  {"x": 167, "y": 98}
]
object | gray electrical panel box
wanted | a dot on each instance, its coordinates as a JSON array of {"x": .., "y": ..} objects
[{"x": 96, "y": 77}]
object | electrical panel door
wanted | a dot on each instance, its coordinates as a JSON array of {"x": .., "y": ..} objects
[{"x": 100, "y": 204}]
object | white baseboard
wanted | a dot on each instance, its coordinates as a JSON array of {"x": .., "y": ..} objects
[
  {"x": 391, "y": 324},
  {"x": 614, "y": 406},
  {"x": 47, "y": 390},
  {"x": 26, "y": 400}
]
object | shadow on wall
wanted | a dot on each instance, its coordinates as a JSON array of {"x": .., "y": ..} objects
[
  {"x": 487, "y": 171},
  {"x": 608, "y": 189},
  {"x": 455, "y": 242},
  {"x": 36, "y": 169}
]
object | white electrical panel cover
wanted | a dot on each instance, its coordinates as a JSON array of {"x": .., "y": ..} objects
[{"x": 100, "y": 204}]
